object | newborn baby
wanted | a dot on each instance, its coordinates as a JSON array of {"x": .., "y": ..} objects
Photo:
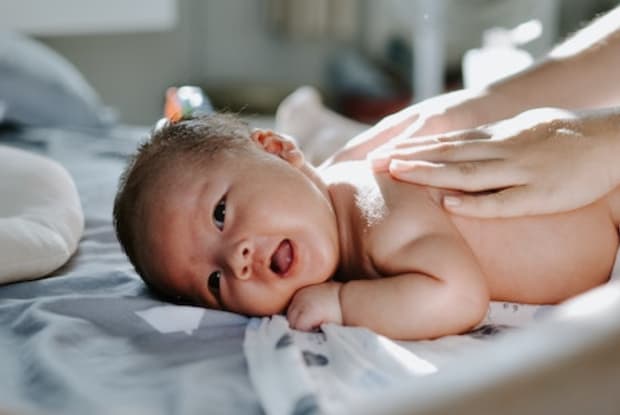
[{"x": 213, "y": 213}]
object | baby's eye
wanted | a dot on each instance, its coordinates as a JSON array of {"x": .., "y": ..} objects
[
  {"x": 214, "y": 283},
  {"x": 219, "y": 214}
]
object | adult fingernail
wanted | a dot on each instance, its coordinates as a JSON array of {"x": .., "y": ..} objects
[
  {"x": 396, "y": 165},
  {"x": 379, "y": 161},
  {"x": 451, "y": 201}
]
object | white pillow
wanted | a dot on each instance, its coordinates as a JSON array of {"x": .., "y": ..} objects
[{"x": 41, "y": 219}]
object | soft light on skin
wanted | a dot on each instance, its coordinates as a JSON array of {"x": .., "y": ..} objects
[{"x": 529, "y": 119}]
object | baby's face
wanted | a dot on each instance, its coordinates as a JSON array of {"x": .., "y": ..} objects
[{"x": 242, "y": 235}]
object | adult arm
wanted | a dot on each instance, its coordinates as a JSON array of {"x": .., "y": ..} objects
[
  {"x": 580, "y": 73},
  {"x": 542, "y": 161}
]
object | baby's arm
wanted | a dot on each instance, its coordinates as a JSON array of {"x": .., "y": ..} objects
[
  {"x": 445, "y": 294},
  {"x": 314, "y": 305}
]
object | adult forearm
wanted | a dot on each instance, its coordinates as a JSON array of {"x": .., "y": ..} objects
[{"x": 582, "y": 72}]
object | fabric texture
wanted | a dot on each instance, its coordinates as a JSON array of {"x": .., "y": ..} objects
[
  {"x": 92, "y": 339},
  {"x": 297, "y": 372},
  {"x": 41, "y": 88},
  {"x": 41, "y": 219}
]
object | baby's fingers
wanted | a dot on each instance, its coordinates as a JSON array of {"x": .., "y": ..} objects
[
  {"x": 469, "y": 176},
  {"x": 303, "y": 318}
]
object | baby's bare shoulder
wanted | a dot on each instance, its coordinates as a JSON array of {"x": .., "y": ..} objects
[
  {"x": 393, "y": 213},
  {"x": 408, "y": 214}
]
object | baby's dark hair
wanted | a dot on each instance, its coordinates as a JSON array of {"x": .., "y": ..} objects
[{"x": 184, "y": 144}]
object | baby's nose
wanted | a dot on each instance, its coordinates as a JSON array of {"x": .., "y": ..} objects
[{"x": 241, "y": 260}]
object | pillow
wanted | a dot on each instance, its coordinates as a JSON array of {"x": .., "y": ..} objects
[
  {"x": 41, "y": 219},
  {"x": 41, "y": 88}
]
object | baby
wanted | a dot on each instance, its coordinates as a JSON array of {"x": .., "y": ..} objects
[{"x": 213, "y": 213}]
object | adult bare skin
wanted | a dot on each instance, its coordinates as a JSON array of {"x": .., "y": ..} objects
[
  {"x": 541, "y": 161},
  {"x": 582, "y": 73}
]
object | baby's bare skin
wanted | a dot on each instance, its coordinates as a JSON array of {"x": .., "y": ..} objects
[
  {"x": 544, "y": 259},
  {"x": 275, "y": 232},
  {"x": 411, "y": 270}
]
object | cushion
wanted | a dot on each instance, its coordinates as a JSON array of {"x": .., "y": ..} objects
[
  {"x": 41, "y": 88},
  {"x": 41, "y": 219}
]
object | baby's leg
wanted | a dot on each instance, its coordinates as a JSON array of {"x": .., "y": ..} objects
[{"x": 318, "y": 130}]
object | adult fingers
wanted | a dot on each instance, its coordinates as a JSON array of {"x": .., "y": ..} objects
[
  {"x": 455, "y": 136},
  {"x": 513, "y": 201},
  {"x": 404, "y": 142},
  {"x": 452, "y": 151},
  {"x": 459, "y": 151},
  {"x": 469, "y": 176}
]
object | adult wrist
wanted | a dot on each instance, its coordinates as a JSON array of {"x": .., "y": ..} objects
[
  {"x": 501, "y": 101},
  {"x": 485, "y": 106}
]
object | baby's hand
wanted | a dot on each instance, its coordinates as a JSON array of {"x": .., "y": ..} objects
[{"x": 314, "y": 305}]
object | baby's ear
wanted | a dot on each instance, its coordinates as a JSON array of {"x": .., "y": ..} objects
[{"x": 279, "y": 145}]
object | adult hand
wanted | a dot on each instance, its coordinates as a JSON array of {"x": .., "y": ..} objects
[
  {"x": 541, "y": 161},
  {"x": 447, "y": 112},
  {"x": 582, "y": 72}
]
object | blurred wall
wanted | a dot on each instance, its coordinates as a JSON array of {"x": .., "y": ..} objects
[
  {"x": 214, "y": 43},
  {"x": 223, "y": 43},
  {"x": 131, "y": 70}
]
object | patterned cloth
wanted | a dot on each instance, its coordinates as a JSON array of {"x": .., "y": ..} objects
[{"x": 326, "y": 371}]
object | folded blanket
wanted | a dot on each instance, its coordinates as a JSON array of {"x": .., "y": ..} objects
[{"x": 297, "y": 372}]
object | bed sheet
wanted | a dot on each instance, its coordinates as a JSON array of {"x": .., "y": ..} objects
[{"x": 91, "y": 339}]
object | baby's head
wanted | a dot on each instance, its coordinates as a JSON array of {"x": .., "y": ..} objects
[{"x": 212, "y": 213}]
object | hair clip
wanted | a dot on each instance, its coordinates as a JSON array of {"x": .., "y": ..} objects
[{"x": 185, "y": 102}]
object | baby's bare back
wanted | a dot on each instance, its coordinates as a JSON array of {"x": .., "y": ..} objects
[
  {"x": 535, "y": 259},
  {"x": 544, "y": 259}
]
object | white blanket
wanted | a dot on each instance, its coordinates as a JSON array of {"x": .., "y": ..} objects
[{"x": 295, "y": 372}]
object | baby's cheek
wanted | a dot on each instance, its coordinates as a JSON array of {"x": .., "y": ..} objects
[{"x": 261, "y": 302}]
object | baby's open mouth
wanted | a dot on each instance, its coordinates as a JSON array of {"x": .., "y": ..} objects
[{"x": 282, "y": 258}]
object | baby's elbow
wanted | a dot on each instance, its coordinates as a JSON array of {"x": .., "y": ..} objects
[{"x": 473, "y": 302}]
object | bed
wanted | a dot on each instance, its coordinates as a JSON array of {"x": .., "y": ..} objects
[{"x": 89, "y": 338}]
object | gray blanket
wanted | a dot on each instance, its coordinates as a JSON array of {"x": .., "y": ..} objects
[{"x": 90, "y": 339}]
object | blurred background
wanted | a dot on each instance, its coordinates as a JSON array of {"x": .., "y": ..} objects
[{"x": 368, "y": 58}]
